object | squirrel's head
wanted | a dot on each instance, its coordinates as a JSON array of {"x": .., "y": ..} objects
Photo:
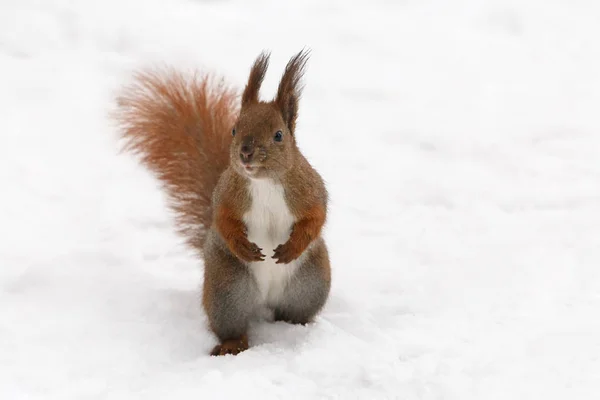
[{"x": 263, "y": 142}]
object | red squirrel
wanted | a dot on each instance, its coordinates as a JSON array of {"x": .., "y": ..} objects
[{"x": 245, "y": 197}]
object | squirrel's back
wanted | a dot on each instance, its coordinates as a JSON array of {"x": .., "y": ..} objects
[{"x": 180, "y": 127}]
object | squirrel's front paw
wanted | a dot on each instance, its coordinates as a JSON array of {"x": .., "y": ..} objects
[
  {"x": 247, "y": 250},
  {"x": 286, "y": 253}
]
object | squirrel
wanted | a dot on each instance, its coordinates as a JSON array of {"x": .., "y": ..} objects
[{"x": 245, "y": 198}]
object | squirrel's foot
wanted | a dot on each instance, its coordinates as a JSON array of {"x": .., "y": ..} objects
[{"x": 231, "y": 346}]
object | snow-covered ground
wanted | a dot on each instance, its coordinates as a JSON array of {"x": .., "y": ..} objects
[{"x": 461, "y": 145}]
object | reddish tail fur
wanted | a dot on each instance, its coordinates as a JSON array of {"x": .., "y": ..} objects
[{"x": 181, "y": 128}]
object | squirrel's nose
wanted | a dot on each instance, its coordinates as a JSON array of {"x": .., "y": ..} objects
[{"x": 246, "y": 153}]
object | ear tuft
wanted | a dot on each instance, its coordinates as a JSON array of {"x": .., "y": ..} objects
[
  {"x": 255, "y": 80},
  {"x": 290, "y": 88}
]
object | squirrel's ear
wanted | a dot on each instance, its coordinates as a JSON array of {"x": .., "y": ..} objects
[
  {"x": 257, "y": 75},
  {"x": 290, "y": 89}
]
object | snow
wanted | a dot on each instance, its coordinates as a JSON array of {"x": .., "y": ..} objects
[{"x": 459, "y": 141}]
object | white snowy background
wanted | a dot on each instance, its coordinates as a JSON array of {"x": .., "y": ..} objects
[{"x": 460, "y": 142}]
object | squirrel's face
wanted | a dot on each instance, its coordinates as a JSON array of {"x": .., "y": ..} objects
[{"x": 262, "y": 146}]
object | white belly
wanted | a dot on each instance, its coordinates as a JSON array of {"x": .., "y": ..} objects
[{"x": 269, "y": 222}]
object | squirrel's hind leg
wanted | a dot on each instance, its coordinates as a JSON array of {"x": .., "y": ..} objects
[
  {"x": 230, "y": 297},
  {"x": 308, "y": 290}
]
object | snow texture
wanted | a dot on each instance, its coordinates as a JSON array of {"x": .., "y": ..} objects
[{"x": 460, "y": 143}]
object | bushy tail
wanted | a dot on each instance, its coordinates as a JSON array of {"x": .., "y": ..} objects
[{"x": 180, "y": 127}]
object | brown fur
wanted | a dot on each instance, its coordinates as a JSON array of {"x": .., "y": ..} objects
[
  {"x": 304, "y": 232},
  {"x": 289, "y": 90},
  {"x": 255, "y": 80},
  {"x": 231, "y": 227},
  {"x": 190, "y": 132},
  {"x": 180, "y": 126}
]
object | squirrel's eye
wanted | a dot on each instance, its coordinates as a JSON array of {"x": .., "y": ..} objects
[
  {"x": 278, "y": 136},
  {"x": 233, "y": 132}
]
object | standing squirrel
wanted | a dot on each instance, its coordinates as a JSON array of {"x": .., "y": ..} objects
[{"x": 245, "y": 197}]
